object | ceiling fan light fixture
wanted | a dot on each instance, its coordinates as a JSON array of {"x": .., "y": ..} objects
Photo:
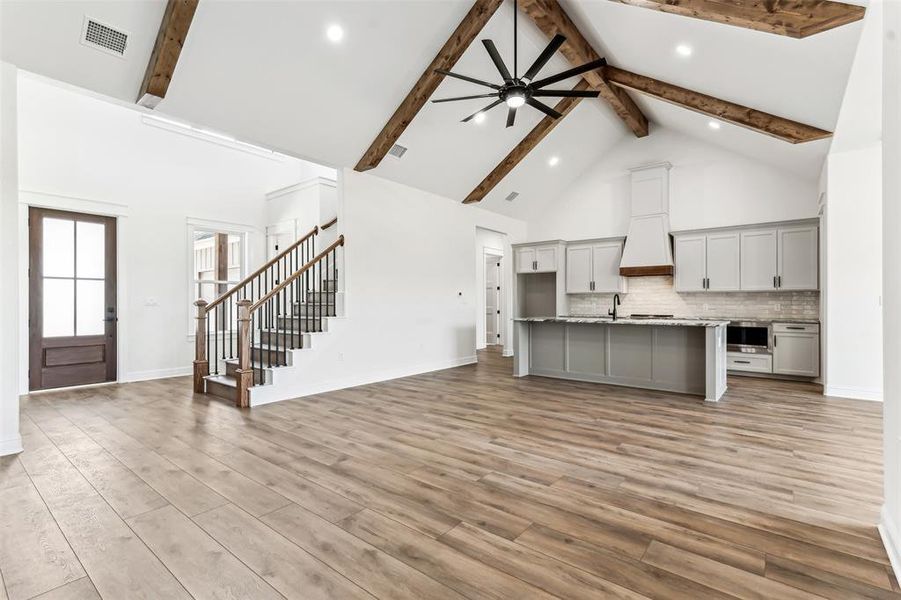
[
  {"x": 479, "y": 118},
  {"x": 516, "y": 99},
  {"x": 713, "y": 124}
]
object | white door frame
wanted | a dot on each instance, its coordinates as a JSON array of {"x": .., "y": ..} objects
[{"x": 495, "y": 254}]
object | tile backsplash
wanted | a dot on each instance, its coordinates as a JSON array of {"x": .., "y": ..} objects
[{"x": 656, "y": 295}]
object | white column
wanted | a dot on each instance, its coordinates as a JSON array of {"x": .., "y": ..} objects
[
  {"x": 10, "y": 440},
  {"x": 891, "y": 278}
]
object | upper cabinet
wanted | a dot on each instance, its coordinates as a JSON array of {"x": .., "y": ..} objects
[
  {"x": 538, "y": 258},
  {"x": 758, "y": 259},
  {"x": 593, "y": 267},
  {"x": 772, "y": 258},
  {"x": 707, "y": 262},
  {"x": 797, "y": 258}
]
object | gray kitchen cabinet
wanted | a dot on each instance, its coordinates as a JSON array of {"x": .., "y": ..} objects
[
  {"x": 758, "y": 259},
  {"x": 796, "y": 349},
  {"x": 578, "y": 269},
  {"x": 690, "y": 274},
  {"x": 593, "y": 267},
  {"x": 723, "y": 262},
  {"x": 536, "y": 259},
  {"x": 798, "y": 258}
]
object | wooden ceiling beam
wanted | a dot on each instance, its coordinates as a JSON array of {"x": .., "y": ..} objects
[
  {"x": 795, "y": 18},
  {"x": 749, "y": 118},
  {"x": 551, "y": 19},
  {"x": 428, "y": 82},
  {"x": 538, "y": 133},
  {"x": 169, "y": 42}
]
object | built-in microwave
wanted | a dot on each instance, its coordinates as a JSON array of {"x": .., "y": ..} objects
[{"x": 749, "y": 336}]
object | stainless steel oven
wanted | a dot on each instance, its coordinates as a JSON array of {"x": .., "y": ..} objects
[{"x": 754, "y": 337}]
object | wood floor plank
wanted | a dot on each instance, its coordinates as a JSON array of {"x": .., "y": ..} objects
[
  {"x": 34, "y": 555},
  {"x": 81, "y": 589},
  {"x": 533, "y": 567},
  {"x": 200, "y": 563},
  {"x": 286, "y": 567},
  {"x": 117, "y": 562},
  {"x": 720, "y": 576},
  {"x": 437, "y": 560},
  {"x": 369, "y": 567}
]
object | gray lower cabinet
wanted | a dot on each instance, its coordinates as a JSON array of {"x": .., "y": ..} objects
[{"x": 796, "y": 349}]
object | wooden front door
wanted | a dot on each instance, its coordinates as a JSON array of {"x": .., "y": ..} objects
[{"x": 72, "y": 299}]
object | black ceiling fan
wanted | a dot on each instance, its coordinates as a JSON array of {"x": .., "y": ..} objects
[{"x": 516, "y": 90}]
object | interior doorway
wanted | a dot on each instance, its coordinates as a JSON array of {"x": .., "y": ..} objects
[
  {"x": 72, "y": 322},
  {"x": 494, "y": 322}
]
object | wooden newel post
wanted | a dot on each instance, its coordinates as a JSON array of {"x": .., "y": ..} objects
[
  {"x": 244, "y": 373},
  {"x": 201, "y": 362}
]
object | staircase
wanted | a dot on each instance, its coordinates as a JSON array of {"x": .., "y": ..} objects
[{"x": 251, "y": 331}]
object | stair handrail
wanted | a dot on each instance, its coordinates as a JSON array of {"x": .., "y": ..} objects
[
  {"x": 288, "y": 280},
  {"x": 266, "y": 265}
]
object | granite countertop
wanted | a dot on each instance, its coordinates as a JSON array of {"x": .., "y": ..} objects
[{"x": 627, "y": 321}]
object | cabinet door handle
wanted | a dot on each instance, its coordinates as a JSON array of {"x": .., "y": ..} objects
[
  {"x": 796, "y": 327},
  {"x": 780, "y": 280},
  {"x": 774, "y": 281},
  {"x": 774, "y": 341},
  {"x": 742, "y": 362}
]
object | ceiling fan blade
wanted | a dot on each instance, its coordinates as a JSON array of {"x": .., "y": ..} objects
[
  {"x": 469, "y": 79},
  {"x": 591, "y": 66},
  {"x": 566, "y": 93},
  {"x": 498, "y": 61},
  {"x": 543, "y": 108},
  {"x": 464, "y": 98},
  {"x": 486, "y": 109},
  {"x": 545, "y": 56},
  {"x": 511, "y": 116}
]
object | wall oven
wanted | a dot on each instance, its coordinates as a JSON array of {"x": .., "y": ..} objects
[{"x": 749, "y": 336}]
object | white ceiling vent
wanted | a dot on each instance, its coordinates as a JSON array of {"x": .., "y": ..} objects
[
  {"x": 511, "y": 196},
  {"x": 397, "y": 151},
  {"x": 103, "y": 37}
]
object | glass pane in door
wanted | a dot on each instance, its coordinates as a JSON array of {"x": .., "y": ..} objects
[
  {"x": 90, "y": 254},
  {"x": 58, "y": 248},
  {"x": 89, "y": 307},
  {"x": 59, "y": 307}
]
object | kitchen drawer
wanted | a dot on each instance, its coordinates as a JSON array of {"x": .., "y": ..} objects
[
  {"x": 796, "y": 328},
  {"x": 745, "y": 361}
]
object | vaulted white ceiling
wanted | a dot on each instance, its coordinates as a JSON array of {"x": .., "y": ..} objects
[{"x": 265, "y": 72}]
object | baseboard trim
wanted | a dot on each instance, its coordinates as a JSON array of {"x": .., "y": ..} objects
[
  {"x": 890, "y": 539},
  {"x": 853, "y": 393},
  {"x": 11, "y": 446},
  {"x": 157, "y": 374},
  {"x": 365, "y": 379}
]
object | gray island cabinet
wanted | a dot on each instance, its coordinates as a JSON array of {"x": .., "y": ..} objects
[{"x": 675, "y": 355}]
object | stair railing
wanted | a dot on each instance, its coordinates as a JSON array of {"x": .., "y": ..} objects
[
  {"x": 217, "y": 332},
  {"x": 281, "y": 317}
]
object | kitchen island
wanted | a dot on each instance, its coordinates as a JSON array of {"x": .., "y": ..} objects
[{"x": 675, "y": 355}]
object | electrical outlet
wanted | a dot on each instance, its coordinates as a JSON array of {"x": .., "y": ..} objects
[
  {"x": 706, "y": 307},
  {"x": 340, "y": 356},
  {"x": 777, "y": 307}
]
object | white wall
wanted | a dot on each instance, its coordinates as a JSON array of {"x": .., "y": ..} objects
[
  {"x": 411, "y": 297},
  {"x": 79, "y": 153},
  {"x": 853, "y": 281},
  {"x": 891, "y": 282},
  {"x": 303, "y": 205},
  {"x": 10, "y": 440},
  {"x": 709, "y": 187},
  {"x": 853, "y": 230}
]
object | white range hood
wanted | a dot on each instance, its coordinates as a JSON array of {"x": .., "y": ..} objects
[{"x": 649, "y": 250}]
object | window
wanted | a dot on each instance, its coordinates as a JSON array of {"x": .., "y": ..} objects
[{"x": 218, "y": 261}]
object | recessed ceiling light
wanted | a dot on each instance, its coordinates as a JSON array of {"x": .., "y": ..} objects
[
  {"x": 553, "y": 161},
  {"x": 335, "y": 33},
  {"x": 683, "y": 50},
  {"x": 479, "y": 118},
  {"x": 713, "y": 124}
]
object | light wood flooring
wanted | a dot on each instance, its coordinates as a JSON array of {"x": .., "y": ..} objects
[{"x": 465, "y": 483}]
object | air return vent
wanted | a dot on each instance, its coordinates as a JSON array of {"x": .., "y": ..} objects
[
  {"x": 511, "y": 196},
  {"x": 103, "y": 37},
  {"x": 397, "y": 151}
]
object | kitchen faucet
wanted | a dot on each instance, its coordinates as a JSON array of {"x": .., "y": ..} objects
[{"x": 615, "y": 302}]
